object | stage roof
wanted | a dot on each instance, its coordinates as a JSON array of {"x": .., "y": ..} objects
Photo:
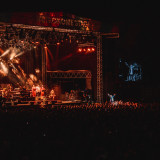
[{"x": 51, "y": 19}]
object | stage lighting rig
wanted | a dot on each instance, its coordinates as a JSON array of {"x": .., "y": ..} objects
[
  {"x": 4, "y": 68},
  {"x": 86, "y": 47},
  {"x": 87, "y": 44}
]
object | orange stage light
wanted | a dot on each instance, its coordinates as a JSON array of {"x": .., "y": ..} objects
[
  {"x": 93, "y": 49},
  {"x": 80, "y": 50},
  {"x": 88, "y": 49}
]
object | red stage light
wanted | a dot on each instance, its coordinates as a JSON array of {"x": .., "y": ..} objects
[
  {"x": 84, "y": 50},
  {"x": 79, "y": 49},
  {"x": 45, "y": 46},
  {"x": 37, "y": 70},
  {"x": 88, "y": 49},
  {"x": 93, "y": 49},
  {"x": 58, "y": 43}
]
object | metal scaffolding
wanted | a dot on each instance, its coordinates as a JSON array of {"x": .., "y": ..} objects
[
  {"x": 98, "y": 36},
  {"x": 43, "y": 65},
  {"x": 70, "y": 74},
  {"x": 99, "y": 69}
]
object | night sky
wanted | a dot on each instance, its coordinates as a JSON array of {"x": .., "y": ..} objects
[{"x": 138, "y": 26}]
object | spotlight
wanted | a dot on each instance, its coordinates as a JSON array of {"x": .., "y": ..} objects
[
  {"x": 19, "y": 54},
  {"x": 58, "y": 43},
  {"x": 93, "y": 49},
  {"x": 37, "y": 70},
  {"x": 1, "y": 72},
  {"x": 84, "y": 49},
  {"x": 45, "y": 46},
  {"x": 12, "y": 54},
  {"x": 33, "y": 77},
  {"x": 5, "y": 69},
  {"x": 17, "y": 61},
  {"x": 6, "y": 52},
  {"x": 88, "y": 49},
  {"x": 79, "y": 49}
]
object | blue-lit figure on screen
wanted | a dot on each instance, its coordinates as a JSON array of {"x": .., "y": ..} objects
[
  {"x": 111, "y": 97},
  {"x": 135, "y": 72}
]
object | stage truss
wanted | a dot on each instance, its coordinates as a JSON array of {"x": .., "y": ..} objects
[
  {"x": 70, "y": 74},
  {"x": 99, "y": 69}
]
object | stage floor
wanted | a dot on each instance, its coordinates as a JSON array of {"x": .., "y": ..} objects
[{"x": 40, "y": 103}]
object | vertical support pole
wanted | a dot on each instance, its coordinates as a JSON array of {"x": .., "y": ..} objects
[
  {"x": 43, "y": 65},
  {"x": 26, "y": 64},
  {"x": 99, "y": 69}
]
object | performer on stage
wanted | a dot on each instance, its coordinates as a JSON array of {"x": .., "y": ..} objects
[
  {"x": 38, "y": 90},
  {"x": 4, "y": 93},
  {"x": 52, "y": 94},
  {"x": 9, "y": 87},
  {"x": 111, "y": 97},
  {"x": 42, "y": 91},
  {"x": 66, "y": 96},
  {"x": 72, "y": 95},
  {"x": 33, "y": 91}
]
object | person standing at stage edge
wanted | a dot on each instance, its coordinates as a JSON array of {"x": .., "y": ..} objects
[
  {"x": 33, "y": 91},
  {"x": 52, "y": 94},
  {"x": 38, "y": 90},
  {"x": 42, "y": 91},
  {"x": 111, "y": 97}
]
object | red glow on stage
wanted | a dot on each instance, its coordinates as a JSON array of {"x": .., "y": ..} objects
[
  {"x": 93, "y": 49},
  {"x": 79, "y": 49},
  {"x": 88, "y": 49},
  {"x": 66, "y": 57},
  {"x": 1, "y": 50},
  {"x": 49, "y": 58},
  {"x": 45, "y": 46},
  {"x": 37, "y": 70}
]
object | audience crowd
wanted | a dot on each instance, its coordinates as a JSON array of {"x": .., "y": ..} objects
[{"x": 108, "y": 131}]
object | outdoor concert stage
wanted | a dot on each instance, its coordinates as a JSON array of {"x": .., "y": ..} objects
[{"x": 53, "y": 49}]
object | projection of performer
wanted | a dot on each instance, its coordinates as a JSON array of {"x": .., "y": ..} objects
[
  {"x": 134, "y": 72},
  {"x": 132, "y": 67}
]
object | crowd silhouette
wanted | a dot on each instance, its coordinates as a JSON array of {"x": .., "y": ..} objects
[{"x": 86, "y": 131}]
